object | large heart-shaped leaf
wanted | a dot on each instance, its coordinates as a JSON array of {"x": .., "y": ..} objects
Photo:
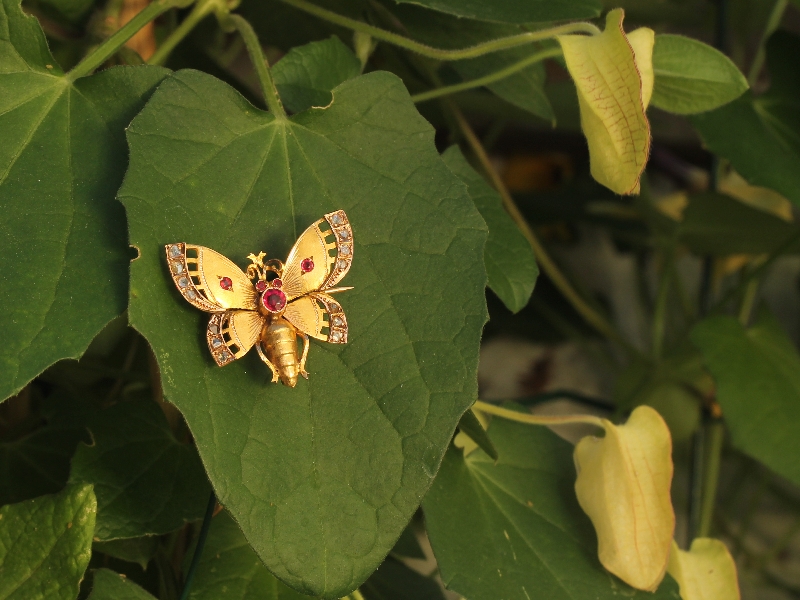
[
  {"x": 323, "y": 477},
  {"x": 513, "y": 528},
  {"x": 63, "y": 257}
]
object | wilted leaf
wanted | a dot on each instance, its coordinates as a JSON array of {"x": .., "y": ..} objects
[
  {"x": 510, "y": 264},
  {"x": 45, "y": 545},
  {"x": 610, "y": 97},
  {"x": 513, "y": 529},
  {"x": 307, "y": 74},
  {"x": 705, "y": 572},
  {"x": 146, "y": 482},
  {"x": 108, "y": 585},
  {"x": 623, "y": 484},
  {"x": 322, "y": 478},
  {"x": 756, "y": 367},
  {"x": 515, "y": 11},
  {"x": 63, "y": 253}
]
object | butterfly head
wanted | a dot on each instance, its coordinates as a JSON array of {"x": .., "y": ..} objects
[{"x": 273, "y": 299}]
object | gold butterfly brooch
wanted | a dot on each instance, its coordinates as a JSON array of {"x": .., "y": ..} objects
[{"x": 273, "y": 303}]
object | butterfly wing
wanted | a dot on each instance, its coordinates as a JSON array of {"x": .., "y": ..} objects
[
  {"x": 232, "y": 333},
  {"x": 308, "y": 314},
  {"x": 320, "y": 258},
  {"x": 208, "y": 280}
]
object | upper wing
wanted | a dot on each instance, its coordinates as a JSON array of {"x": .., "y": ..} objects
[
  {"x": 231, "y": 334},
  {"x": 308, "y": 313},
  {"x": 319, "y": 258},
  {"x": 208, "y": 280}
]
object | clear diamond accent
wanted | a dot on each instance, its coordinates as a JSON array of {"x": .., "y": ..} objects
[
  {"x": 345, "y": 250},
  {"x": 183, "y": 282},
  {"x": 175, "y": 251},
  {"x": 335, "y": 307},
  {"x": 336, "y": 336},
  {"x": 344, "y": 234},
  {"x": 337, "y": 219},
  {"x": 223, "y": 356},
  {"x": 191, "y": 295},
  {"x": 341, "y": 264},
  {"x": 177, "y": 268},
  {"x": 213, "y": 329},
  {"x": 337, "y": 321},
  {"x": 216, "y": 342}
]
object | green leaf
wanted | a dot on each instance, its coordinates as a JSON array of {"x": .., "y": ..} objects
[
  {"x": 136, "y": 550},
  {"x": 764, "y": 144},
  {"x": 693, "y": 77},
  {"x": 45, "y": 545},
  {"x": 229, "y": 568},
  {"x": 108, "y": 585},
  {"x": 718, "y": 224},
  {"x": 513, "y": 529},
  {"x": 471, "y": 426},
  {"x": 395, "y": 581},
  {"x": 407, "y": 545},
  {"x": 757, "y": 371},
  {"x": 510, "y": 263},
  {"x": 146, "y": 482},
  {"x": 306, "y": 75},
  {"x": 514, "y": 11},
  {"x": 322, "y": 478},
  {"x": 63, "y": 250}
]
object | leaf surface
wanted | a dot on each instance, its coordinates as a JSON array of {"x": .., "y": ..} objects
[
  {"x": 693, "y": 77},
  {"x": 756, "y": 367},
  {"x": 63, "y": 249},
  {"x": 514, "y": 11},
  {"x": 45, "y": 545},
  {"x": 527, "y": 537},
  {"x": 108, "y": 585},
  {"x": 322, "y": 478},
  {"x": 146, "y": 482},
  {"x": 510, "y": 264}
]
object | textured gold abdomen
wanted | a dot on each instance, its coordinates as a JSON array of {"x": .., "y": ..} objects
[{"x": 280, "y": 342}]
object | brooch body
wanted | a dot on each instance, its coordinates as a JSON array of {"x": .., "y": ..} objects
[{"x": 272, "y": 303}]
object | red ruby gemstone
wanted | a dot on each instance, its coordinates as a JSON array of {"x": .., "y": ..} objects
[
  {"x": 225, "y": 283},
  {"x": 276, "y": 283},
  {"x": 274, "y": 300},
  {"x": 307, "y": 265},
  {"x": 261, "y": 285}
]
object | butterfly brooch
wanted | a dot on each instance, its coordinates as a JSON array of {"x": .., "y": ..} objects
[{"x": 273, "y": 303}]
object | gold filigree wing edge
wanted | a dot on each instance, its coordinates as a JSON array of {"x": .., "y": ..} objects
[
  {"x": 231, "y": 334},
  {"x": 307, "y": 315},
  {"x": 343, "y": 233}
]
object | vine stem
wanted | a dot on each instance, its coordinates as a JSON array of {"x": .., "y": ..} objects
[
  {"x": 490, "y": 78},
  {"x": 594, "y": 318},
  {"x": 773, "y": 22},
  {"x": 201, "y": 542},
  {"x": 660, "y": 312},
  {"x": 715, "y": 435},
  {"x": 122, "y": 35},
  {"x": 201, "y": 10},
  {"x": 260, "y": 64},
  {"x": 438, "y": 53},
  {"x": 521, "y": 417}
]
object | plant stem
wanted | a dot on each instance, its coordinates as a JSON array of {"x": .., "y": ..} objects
[
  {"x": 773, "y": 22},
  {"x": 660, "y": 311},
  {"x": 437, "y": 53},
  {"x": 715, "y": 435},
  {"x": 260, "y": 64},
  {"x": 357, "y": 595},
  {"x": 122, "y": 35},
  {"x": 594, "y": 318},
  {"x": 487, "y": 79},
  {"x": 748, "y": 302},
  {"x": 521, "y": 417},
  {"x": 201, "y": 542},
  {"x": 201, "y": 10}
]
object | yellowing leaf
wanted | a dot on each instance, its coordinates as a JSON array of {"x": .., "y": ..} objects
[
  {"x": 642, "y": 41},
  {"x": 706, "y": 572},
  {"x": 610, "y": 98},
  {"x": 758, "y": 197},
  {"x": 623, "y": 485}
]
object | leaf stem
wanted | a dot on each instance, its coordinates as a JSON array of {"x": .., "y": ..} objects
[
  {"x": 490, "y": 78},
  {"x": 594, "y": 318},
  {"x": 773, "y": 22},
  {"x": 523, "y": 417},
  {"x": 260, "y": 64},
  {"x": 201, "y": 10},
  {"x": 201, "y": 542},
  {"x": 438, "y": 53},
  {"x": 122, "y": 35},
  {"x": 660, "y": 311},
  {"x": 715, "y": 435}
]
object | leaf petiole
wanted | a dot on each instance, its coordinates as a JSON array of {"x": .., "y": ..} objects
[
  {"x": 528, "y": 418},
  {"x": 201, "y": 10}
]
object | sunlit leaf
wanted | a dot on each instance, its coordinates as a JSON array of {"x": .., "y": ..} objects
[
  {"x": 706, "y": 572},
  {"x": 322, "y": 478},
  {"x": 107, "y": 585}
]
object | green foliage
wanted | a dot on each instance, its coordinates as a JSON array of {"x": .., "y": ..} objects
[
  {"x": 107, "y": 585},
  {"x": 395, "y": 581},
  {"x": 515, "y": 11},
  {"x": 45, "y": 545}
]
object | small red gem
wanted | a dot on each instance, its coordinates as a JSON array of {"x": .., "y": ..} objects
[
  {"x": 225, "y": 283},
  {"x": 307, "y": 265},
  {"x": 276, "y": 283},
  {"x": 274, "y": 300},
  {"x": 261, "y": 285}
]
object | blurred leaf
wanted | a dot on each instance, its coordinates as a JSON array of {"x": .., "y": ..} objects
[
  {"x": 407, "y": 544},
  {"x": 322, "y": 478},
  {"x": 146, "y": 482},
  {"x": 229, "y": 568},
  {"x": 510, "y": 263},
  {"x": 718, "y": 224},
  {"x": 757, "y": 371},
  {"x": 706, "y": 571},
  {"x": 136, "y": 550},
  {"x": 62, "y": 159},
  {"x": 395, "y": 581},
  {"x": 515, "y": 11},
  {"x": 45, "y": 545},
  {"x": 513, "y": 529},
  {"x": 108, "y": 585},
  {"x": 693, "y": 77},
  {"x": 760, "y": 136},
  {"x": 472, "y": 427},
  {"x": 306, "y": 75},
  {"x": 72, "y": 11}
]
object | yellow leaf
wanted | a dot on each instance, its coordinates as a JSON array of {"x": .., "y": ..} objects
[
  {"x": 706, "y": 572},
  {"x": 623, "y": 485},
  {"x": 760, "y": 198},
  {"x": 642, "y": 41},
  {"x": 610, "y": 97}
]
